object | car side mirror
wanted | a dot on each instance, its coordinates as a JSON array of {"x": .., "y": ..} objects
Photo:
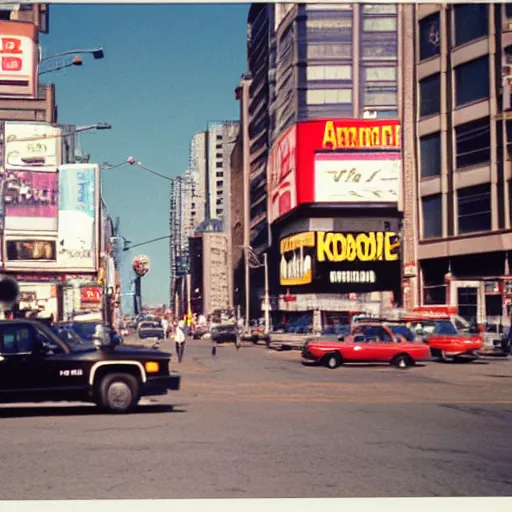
[{"x": 341, "y": 338}]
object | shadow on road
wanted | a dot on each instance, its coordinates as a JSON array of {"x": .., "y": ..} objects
[{"x": 82, "y": 410}]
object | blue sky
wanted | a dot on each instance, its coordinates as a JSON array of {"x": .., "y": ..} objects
[{"x": 168, "y": 69}]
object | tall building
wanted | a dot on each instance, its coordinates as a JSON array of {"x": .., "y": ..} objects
[
  {"x": 463, "y": 69},
  {"x": 198, "y": 170},
  {"x": 221, "y": 136},
  {"x": 200, "y": 195},
  {"x": 325, "y": 94}
]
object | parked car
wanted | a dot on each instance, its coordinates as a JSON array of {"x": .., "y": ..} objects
[
  {"x": 367, "y": 343},
  {"x": 52, "y": 369},
  {"x": 151, "y": 329}
]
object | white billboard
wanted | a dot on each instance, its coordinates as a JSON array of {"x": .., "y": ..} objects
[
  {"x": 357, "y": 178},
  {"x": 32, "y": 146}
]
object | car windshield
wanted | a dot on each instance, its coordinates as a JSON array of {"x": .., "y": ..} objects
[
  {"x": 402, "y": 330},
  {"x": 85, "y": 330}
]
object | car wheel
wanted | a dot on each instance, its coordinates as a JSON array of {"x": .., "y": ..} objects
[
  {"x": 445, "y": 358},
  {"x": 403, "y": 361},
  {"x": 332, "y": 361},
  {"x": 119, "y": 392}
]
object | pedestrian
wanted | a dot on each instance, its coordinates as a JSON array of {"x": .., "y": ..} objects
[
  {"x": 179, "y": 338},
  {"x": 165, "y": 327}
]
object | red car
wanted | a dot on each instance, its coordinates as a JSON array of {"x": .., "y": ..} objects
[
  {"x": 368, "y": 343},
  {"x": 445, "y": 341}
]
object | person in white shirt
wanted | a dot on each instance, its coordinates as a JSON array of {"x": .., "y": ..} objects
[
  {"x": 165, "y": 327},
  {"x": 179, "y": 338}
]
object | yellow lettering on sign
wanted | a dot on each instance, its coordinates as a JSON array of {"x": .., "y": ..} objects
[
  {"x": 296, "y": 241},
  {"x": 375, "y": 246},
  {"x": 329, "y": 135},
  {"x": 365, "y": 135}
]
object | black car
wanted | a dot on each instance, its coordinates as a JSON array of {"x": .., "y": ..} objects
[
  {"x": 150, "y": 329},
  {"x": 225, "y": 333},
  {"x": 38, "y": 365}
]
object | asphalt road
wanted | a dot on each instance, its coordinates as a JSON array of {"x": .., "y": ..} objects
[{"x": 255, "y": 423}]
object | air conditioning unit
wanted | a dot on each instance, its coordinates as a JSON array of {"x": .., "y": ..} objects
[{"x": 370, "y": 114}]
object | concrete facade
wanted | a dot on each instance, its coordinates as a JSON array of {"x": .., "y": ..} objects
[{"x": 464, "y": 170}]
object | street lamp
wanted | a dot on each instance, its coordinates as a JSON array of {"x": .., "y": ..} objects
[
  {"x": 77, "y": 129},
  {"x": 253, "y": 261},
  {"x": 97, "y": 53}
]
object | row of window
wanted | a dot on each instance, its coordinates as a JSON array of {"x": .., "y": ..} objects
[
  {"x": 468, "y": 88},
  {"x": 344, "y": 72},
  {"x": 470, "y": 22},
  {"x": 473, "y": 212},
  {"x": 472, "y": 147}
]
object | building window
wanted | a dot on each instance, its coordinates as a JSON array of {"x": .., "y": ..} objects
[
  {"x": 474, "y": 209},
  {"x": 432, "y": 216},
  {"x": 218, "y": 146},
  {"x": 430, "y": 36},
  {"x": 430, "y": 95},
  {"x": 380, "y": 74},
  {"x": 328, "y": 7},
  {"x": 379, "y": 9},
  {"x": 218, "y": 202},
  {"x": 220, "y": 184},
  {"x": 508, "y": 10},
  {"x": 473, "y": 143},
  {"x": 328, "y": 73},
  {"x": 328, "y": 96},
  {"x": 329, "y": 51},
  {"x": 218, "y": 165},
  {"x": 471, "y": 22},
  {"x": 472, "y": 81},
  {"x": 430, "y": 155},
  {"x": 379, "y": 24},
  {"x": 219, "y": 174},
  {"x": 375, "y": 95},
  {"x": 219, "y": 137},
  {"x": 218, "y": 155}
]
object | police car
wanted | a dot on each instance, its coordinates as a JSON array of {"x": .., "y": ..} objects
[{"x": 38, "y": 365}]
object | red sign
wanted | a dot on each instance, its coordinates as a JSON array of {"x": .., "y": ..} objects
[
  {"x": 91, "y": 295},
  {"x": 291, "y": 169},
  {"x": 443, "y": 310},
  {"x": 282, "y": 181},
  {"x": 18, "y": 58}
]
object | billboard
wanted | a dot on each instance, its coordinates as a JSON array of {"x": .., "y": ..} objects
[
  {"x": 282, "y": 179},
  {"x": 78, "y": 221},
  {"x": 34, "y": 146},
  {"x": 30, "y": 200},
  {"x": 357, "y": 178},
  {"x": 19, "y": 55},
  {"x": 308, "y": 156},
  {"x": 335, "y": 262}
]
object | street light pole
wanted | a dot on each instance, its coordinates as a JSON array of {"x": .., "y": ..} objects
[{"x": 267, "y": 297}]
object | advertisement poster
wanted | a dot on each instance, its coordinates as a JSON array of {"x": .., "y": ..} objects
[
  {"x": 282, "y": 179},
  {"x": 18, "y": 59},
  {"x": 30, "y": 250},
  {"x": 357, "y": 178},
  {"x": 335, "y": 262},
  {"x": 30, "y": 201},
  {"x": 34, "y": 146},
  {"x": 297, "y": 256},
  {"x": 77, "y": 217}
]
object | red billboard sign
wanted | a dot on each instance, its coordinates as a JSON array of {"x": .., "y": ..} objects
[
  {"x": 292, "y": 180},
  {"x": 90, "y": 295},
  {"x": 282, "y": 179}
]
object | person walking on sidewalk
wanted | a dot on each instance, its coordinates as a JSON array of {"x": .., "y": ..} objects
[{"x": 179, "y": 338}]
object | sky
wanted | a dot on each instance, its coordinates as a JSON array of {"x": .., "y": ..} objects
[{"x": 167, "y": 71}]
